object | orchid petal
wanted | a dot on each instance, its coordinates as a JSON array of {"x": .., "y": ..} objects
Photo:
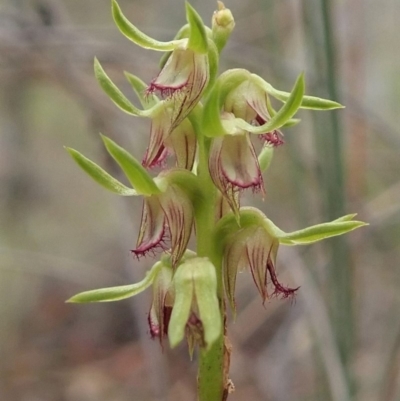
[
  {"x": 152, "y": 227},
  {"x": 160, "y": 129},
  {"x": 231, "y": 266},
  {"x": 183, "y": 143},
  {"x": 178, "y": 212},
  {"x": 239, "y": 162},
  {"x": 161, "y": 308},
  {"x": 183, "y": 79},
  {"x": 234, "y": 166},
  {"x": 286, "y": 112},
  {"x": 228, "y": 190}
]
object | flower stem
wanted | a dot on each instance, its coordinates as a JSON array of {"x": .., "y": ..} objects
[{"x": 212, "y": 370}]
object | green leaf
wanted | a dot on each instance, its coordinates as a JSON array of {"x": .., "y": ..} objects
[
  {"x": 134, "y": 171},
  {"x": 319, "y": 232},
  {"x": 113, "y": 92},
  {"x": 182, "y": 306},
  {"x": 117, "y": 293},
  {"x": 99, "y": 175},
  {"x": 136, "y": 36},
  {"x": 285, "y": 113},
  {"x": 198, "y": 36}
]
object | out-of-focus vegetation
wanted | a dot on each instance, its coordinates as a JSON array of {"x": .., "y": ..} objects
[{"x": 61, "y": 233}]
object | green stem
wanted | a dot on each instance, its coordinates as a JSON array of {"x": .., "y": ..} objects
[{"x": 211, "y": 373}]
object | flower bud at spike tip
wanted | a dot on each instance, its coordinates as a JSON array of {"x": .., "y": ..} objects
[{"x": 222, "y": 25}]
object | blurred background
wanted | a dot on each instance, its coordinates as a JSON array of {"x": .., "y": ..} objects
[{"x": 61, "y": 233}]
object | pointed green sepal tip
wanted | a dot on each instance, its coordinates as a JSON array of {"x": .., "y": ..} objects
[
  {"x": 317, "y": 103},
  {"x": 99, "y": 175},
  {"x": 198, "y": 35},
  {"x": 322, "y": 231},
  {"x": 113, "y": 91},
  {"x": 134, "y": 171},
  {"x": 308, "y": 102},
  {"x": 135, "y": 35},
  {"x": 111, "y": 294}
]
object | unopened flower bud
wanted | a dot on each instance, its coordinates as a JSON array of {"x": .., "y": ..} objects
[{"x": 222, "y": 25}]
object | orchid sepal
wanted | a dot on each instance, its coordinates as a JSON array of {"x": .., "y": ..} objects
[
  {"x": 196, "y": 307},
  {"x": 111, "y": 294},
  {"x": 183, "y": 33},
  {"x": 308, "y": 102},
  {"x": 100, "y": 175},
  {"x": 137, "y": 175},
  {"x": 138, "y": 37},
  {"x": 198, "y": 40},
  {"x": 114, "y": 93},
  {"x": 321, "y": 231}
]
